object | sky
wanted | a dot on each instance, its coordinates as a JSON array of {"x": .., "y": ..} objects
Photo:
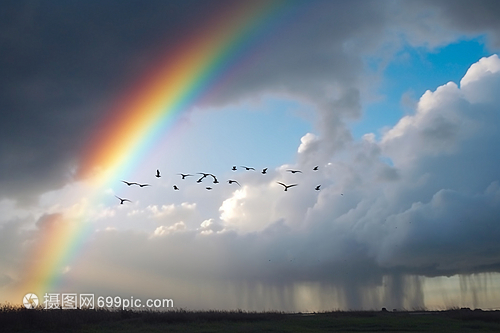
[{"x": 395, "y": 102}]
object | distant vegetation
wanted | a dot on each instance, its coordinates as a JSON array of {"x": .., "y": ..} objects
[{"x": 20, "y": 319}]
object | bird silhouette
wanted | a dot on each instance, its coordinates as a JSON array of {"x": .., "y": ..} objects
[
  {"x": 143, "y": 185},
  {"x": 247, "y": 168},
  {"x": 204, "y": 175},
  {"x": 287, "y": 186},
  {"x": 264, "y": 171},
  {"x": 157, "y": 173},
  {"x": 294, "y": 171},
  {"x": 215, "y": 179},
  {"x": 230, "y": 181},
  {"x": 316, "y": 168},
  {"x": 184, "y": 175},
  {"x": 317, "y": 187},
  {"x": 129, "y": 183},
  {"x": 234, "y": 168},
  {"x": 176, "y": 188},
  {"x": 208, "y": 188},
  {"x": 122, "y": 200}
]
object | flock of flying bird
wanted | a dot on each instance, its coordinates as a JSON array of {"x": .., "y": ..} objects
[{"x": 215, "y": 180}]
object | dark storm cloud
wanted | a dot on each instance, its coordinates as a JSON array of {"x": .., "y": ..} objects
[
  {"x": 61, "y": 65},
  {"x": 470, "y": 16}
]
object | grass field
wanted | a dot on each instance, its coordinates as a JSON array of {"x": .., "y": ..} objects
[{"x": 19, "y": 319}]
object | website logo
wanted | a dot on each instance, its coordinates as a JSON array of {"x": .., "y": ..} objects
[{"x": 30, "y": 301}]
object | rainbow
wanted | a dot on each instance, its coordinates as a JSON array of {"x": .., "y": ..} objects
[{"x": 197, "y": 66}]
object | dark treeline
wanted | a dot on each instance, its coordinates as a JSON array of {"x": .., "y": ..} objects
[{"x": 19, "y": 319}]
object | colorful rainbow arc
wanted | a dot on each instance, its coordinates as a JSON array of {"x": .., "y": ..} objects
[{"x": 145, "y": 113}]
